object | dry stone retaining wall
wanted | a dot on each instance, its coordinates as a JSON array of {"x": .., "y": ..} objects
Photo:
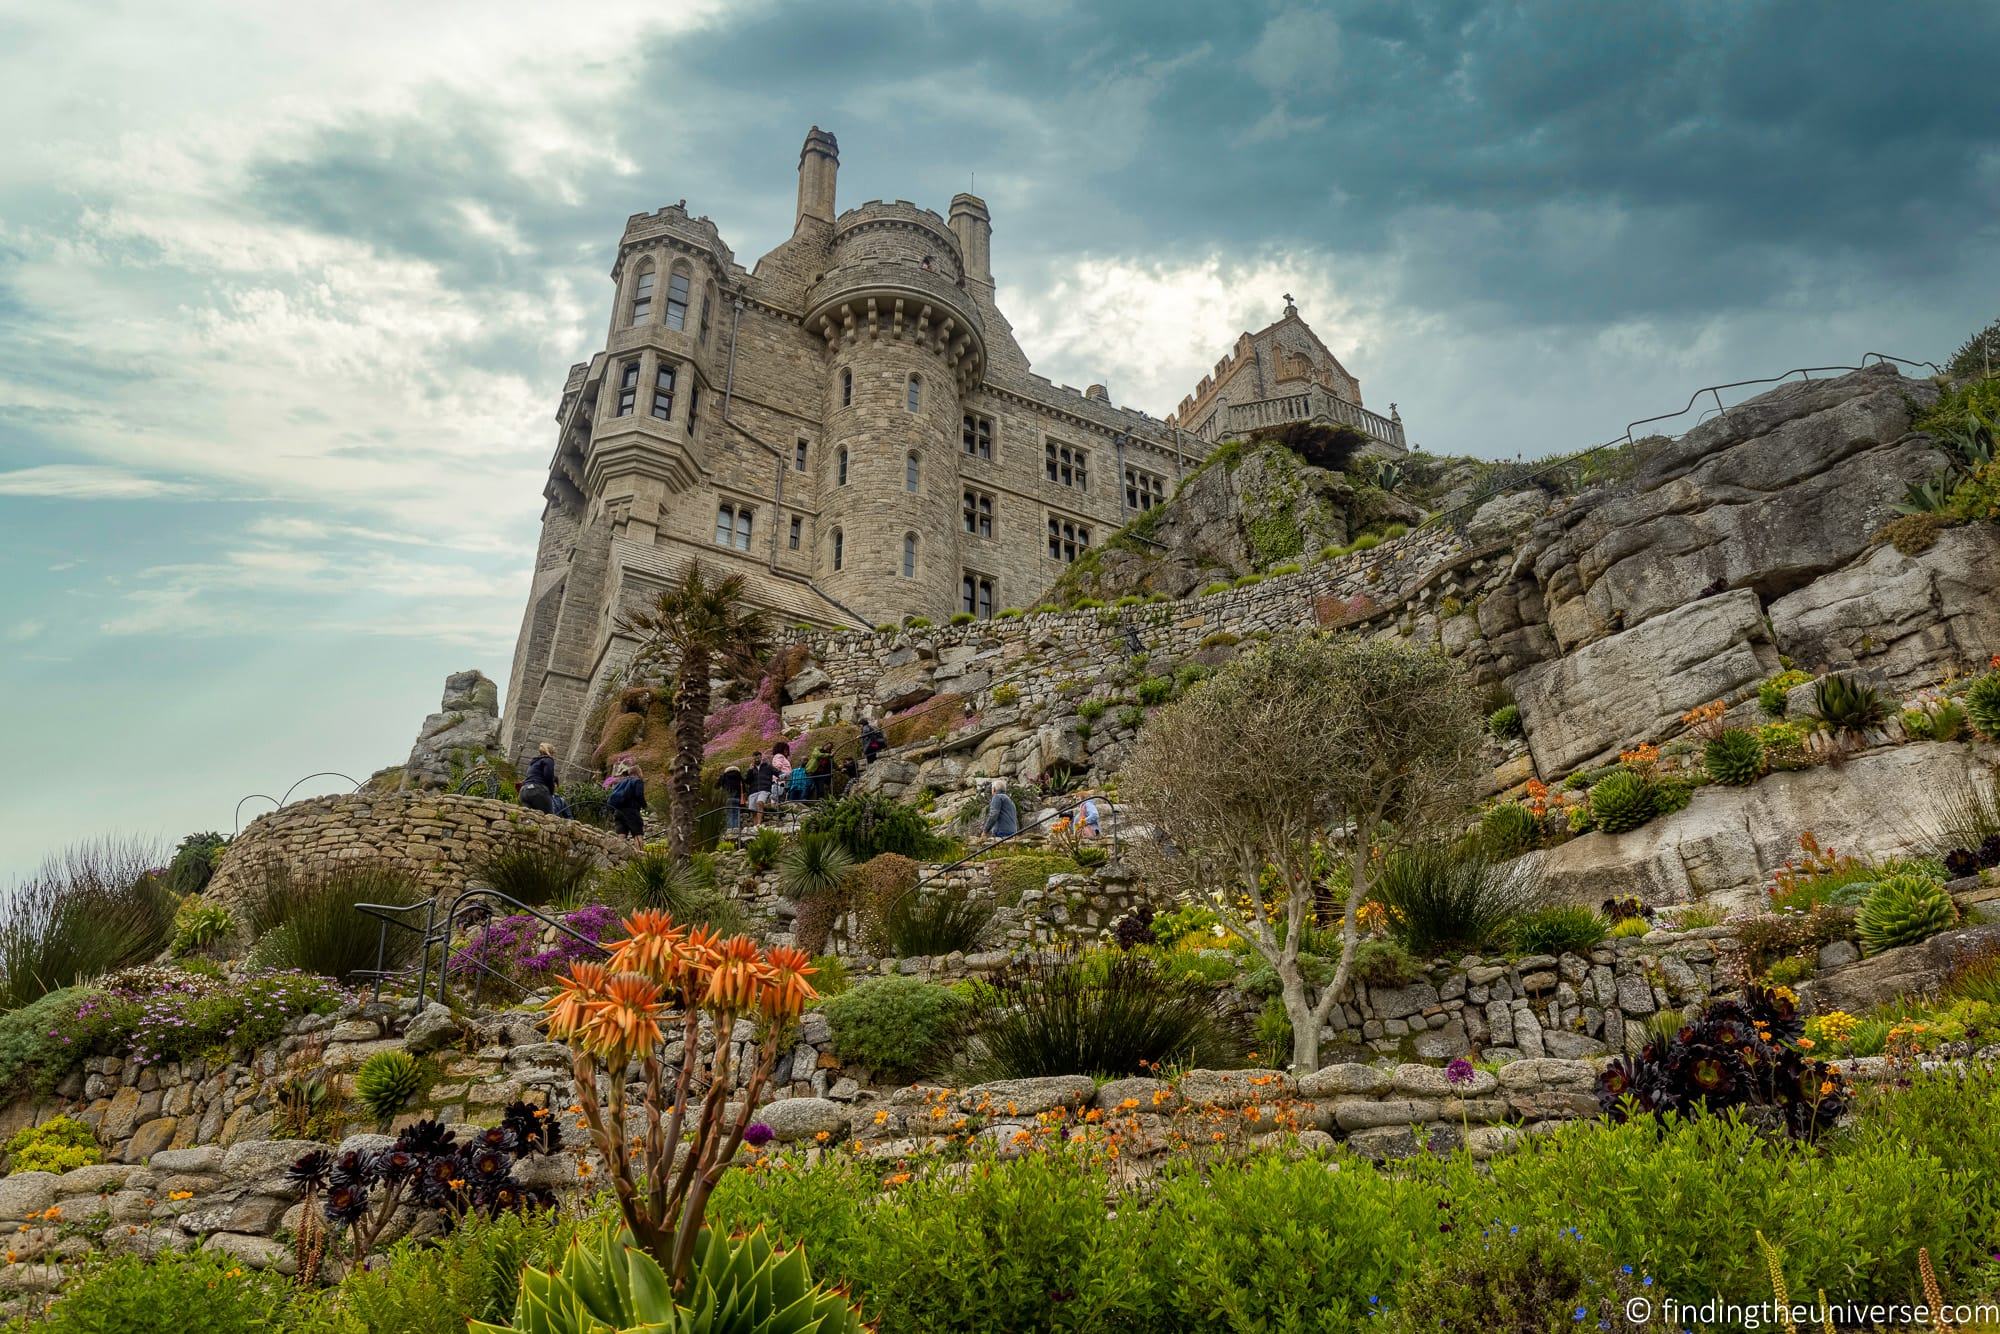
[{"x": 436, "y": 837}]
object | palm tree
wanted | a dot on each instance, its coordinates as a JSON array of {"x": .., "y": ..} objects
[{"x": 694, "y": 627}]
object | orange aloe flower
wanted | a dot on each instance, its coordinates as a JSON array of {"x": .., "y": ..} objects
[
  {"x": 625, "y": 1019},
  {"x": 651, "y": 947},
  {"x": 788, "y": 991},
  {"x": 737, "y": 980},
  {"x": 567, "y": 1008}
]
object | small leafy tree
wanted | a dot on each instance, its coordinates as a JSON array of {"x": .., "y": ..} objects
[
  {"x": 695, "y": 626},
  {"x": 1308, "y": 749}
]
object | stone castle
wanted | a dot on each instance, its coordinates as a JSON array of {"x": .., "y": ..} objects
[{"x": 851, "y": 426}]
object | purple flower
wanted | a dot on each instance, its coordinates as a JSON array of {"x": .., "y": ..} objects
[
  {"x": 1459, "y": 1073},
  {"x": 757, "y": 1134}
]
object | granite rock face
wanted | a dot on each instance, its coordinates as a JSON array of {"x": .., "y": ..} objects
[
  {"x": 465, "y": 729},
  {"x": 1781, "y": 490}
]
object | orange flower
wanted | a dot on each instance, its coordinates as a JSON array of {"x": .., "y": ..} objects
[
  {"x": 625, "y": 1019},
  {"x": 787, "y": 990},
  {"x": 896, "y": 1179},
  {"x": 180, "y": 1194},
  {"x": 823, "y": 1136},
  {"x": 651, "y": 947},
  {"x": 737, "y": 981},
  {"x": 574, "y": 994}
]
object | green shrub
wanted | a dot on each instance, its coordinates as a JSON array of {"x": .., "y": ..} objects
[
  {"x": 1129, "y": 600},
  {"x": 90, "y": 909},
  {"x": 1848, "y": 703},
  {"x": 763, "y": 848},
  {"x": 1790, "y": 970},
  {"x": 127, "y": 1294},
  {"x": 896, "y": 1026},
  {"x": 1220, "y": 639},
  {"x": 1444, "y": 899},
  {"x": 651, "y": 878},
  {"x": 437, "y": 1284},
  {"x": 1621, "y": 802},
  {"x": 1735, "y": 758},
  {"x": 918, "y": 925},
  {"x": 916, "y": 623},
  {"x": 194, "y": 862},
  {"x": 1563, "y": 929},
  {"x": 1219, "y": 586},
  {"x": 1155, "y": 690},
  {"x": 587, "y": 802},
  {"x": 1940, "y": 720},
  {"x": 1771, "y": 694},
  {"x": 814, "y": 873},
  {"x": 963, "y": 618},
  {"x": 1052, "y": 1016},
  {"x": 1131, "y": 716},
  {"x": 1505, "y": 722},
  {"x": 1901, "y": 910},
  {"x": 1982, "y": 703},
  {"x": 1087, "y": 604},
  {"x": 199, "y": 926},
  {"x": 537, "y": 874},
  {"x": 1092, "y": 709},
  {"x": 1288, "y": 567},
  {"x": 1385, "y": 963},
  {"x": 1013, "y": 876},
  {"x": 1250, "y": 580},
  {"x": 1365, "y": 542},
  {"x": 307, "y": 920},
  {"x": 1509, "y": 829},
  {"x": 1629, "y": 928},
  {"x": 56, "y": 1145},
  {"x": 1511, "y": 1282},
  {"x": 1006, "y": 694},
  {"x": 1046, "y": 608},
  {"x": 386, "y": 1082},
  {"x": 869, "y": 823}
]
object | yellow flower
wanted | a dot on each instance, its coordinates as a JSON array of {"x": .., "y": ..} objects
[
  {"x": 180, "y": 1194},
  {"x": 882, "y": 1118}
]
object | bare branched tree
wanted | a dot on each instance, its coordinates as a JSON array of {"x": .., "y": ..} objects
[
  {"x": 1356, "y": 747},
  {"x": 694, "y": 628}
]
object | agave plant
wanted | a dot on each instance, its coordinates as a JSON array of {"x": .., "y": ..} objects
[
  {"x": 1901, "y": 910},
  {"x": 386, "y": 1082},
  {"x": 738, "y": 1285},
  {"x": 1982, "y": 702},
  {"x": 1849, "y": 704},
  {"x": 1735, "y": 758},
  {"x": 1621, "y": 802},
  {"x": 1928, "y": 496}
]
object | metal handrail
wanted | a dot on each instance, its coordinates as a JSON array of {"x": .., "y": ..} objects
[
  {"x": 436, "y": 934},
  {"x": 1060, "y": 812}
]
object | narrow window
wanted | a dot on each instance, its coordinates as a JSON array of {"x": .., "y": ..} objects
[
  {"x": 978, "y": 512},
  {"x": 799, "y": 457},
  {"x": 707, "y": 305},
  {"x": 914, "y": 396},
  {"x": 628, "y": 387},
  {"x": 677, "y": 299},
  {"x": 663, "y": 392},
  {"x": 642, "y": 296},
  {"x": 847, "y": 389},
  {"x": 910, "y": 471},
  {"x": 725, "y": 524},
  {"x": 694, "y": 407},
  {"x": 843, "y": 467},
  {"x": 743, "y": 529},
  {"x": 975, "y": 595},
  {"x": 839, "y": 546},
  {"x": 909, "y": 555},
  {"x": 976, "y": 433},
  {"x": 798, "y": 531}
]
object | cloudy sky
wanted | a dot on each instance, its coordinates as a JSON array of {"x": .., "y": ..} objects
[{"x": 287, "y": 291}]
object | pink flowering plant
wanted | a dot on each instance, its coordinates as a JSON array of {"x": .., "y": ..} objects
[{"x": 516, "y": 947}]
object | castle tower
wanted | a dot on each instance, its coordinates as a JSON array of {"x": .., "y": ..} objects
[
  {"x": 903, "y": 343},
  {"x": 819, "y": 165}
]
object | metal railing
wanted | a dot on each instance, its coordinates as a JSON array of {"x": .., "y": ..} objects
[
  {"x": 435, "y": 937},
  {"x": 1517, "y": 481}
]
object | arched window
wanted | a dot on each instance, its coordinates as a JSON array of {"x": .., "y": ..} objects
[
  {"x": 843, "y": 467},
  {"x": 677, "y": 298},
  {"x": 642, "y": 295},
  {"x": 910, "y": 471},
  {"x": 847, "y": 389},
  {"x": 914, "y": 396},
  {"x": 909, "y": 555},
  {"x": 839, "y": 548}
]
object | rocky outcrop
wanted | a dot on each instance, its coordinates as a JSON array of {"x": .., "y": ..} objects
[
  {"x": 1783, "y": 489},
  {"x": 1584, "y": 706},
  {"x": 1723, "y": 847},
  {"x": 1906, "y": 619},
  {"x": 464, "y": 730},
  {"x": 1913, "y": 970}
]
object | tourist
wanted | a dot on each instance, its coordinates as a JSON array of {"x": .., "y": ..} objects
[
  {"x": 781, "y": 771},
  {"x": 542, "y": 769},
  {"x": 732, "y": 798},
  {"x": 873, "y": 743},
  {"x": 1002, "y": 820},
  {"x": 627, "y": 800},
  {"x": 1091, "y": 821},
  {"x": 798, "y": 782},
  {"x": 819, "y": 771},
  {"x": 758, "y": 786},
  {"x": 849, "y": 771}
]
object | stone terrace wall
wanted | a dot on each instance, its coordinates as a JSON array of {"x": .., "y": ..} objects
[
  {"x": 1383, "y": 579},
  {"x": 435, "y": 837}
]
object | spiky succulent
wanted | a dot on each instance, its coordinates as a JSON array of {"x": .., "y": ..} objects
[
  {"x": 1901, "y": 910},
  {"x": 387, "y": 1081},
  {"x": 1848, "y": 703},
  {"x": 738, "y": 1285},
  {"x": 1621, "y": 802},
  {"x": 1982, "y": 701},
  {"x": 1735, "y": 758}
]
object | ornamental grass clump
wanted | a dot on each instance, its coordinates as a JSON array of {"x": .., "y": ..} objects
[
  {"x": 89, "y": 910},
  {"x": 1111, "y": 1014},
  {"x": 663, "y": 977}
]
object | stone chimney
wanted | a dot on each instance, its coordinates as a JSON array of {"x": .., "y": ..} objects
[
  {"x": 973, "y": 226},
  {"x": 819, "y": 163}
]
